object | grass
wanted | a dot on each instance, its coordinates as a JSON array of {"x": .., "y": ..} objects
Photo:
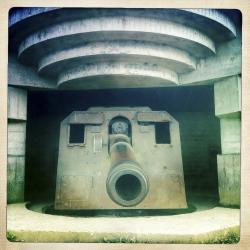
[
  {"x": 226, "y": 236},
  {"x": 11, "y": 237}
]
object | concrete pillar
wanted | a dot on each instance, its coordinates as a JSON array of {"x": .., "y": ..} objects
[
  {"x": 17, "y": 114},
  {"x": 227, "y": 95}
]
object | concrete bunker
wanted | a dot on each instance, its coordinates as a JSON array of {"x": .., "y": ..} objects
[{"x": 63, "y": 60}]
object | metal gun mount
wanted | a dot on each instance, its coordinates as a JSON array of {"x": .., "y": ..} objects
[{"x": 120, "y": 158}]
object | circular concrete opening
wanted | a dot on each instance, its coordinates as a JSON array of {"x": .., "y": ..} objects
[{"x": 128, "y": 187}]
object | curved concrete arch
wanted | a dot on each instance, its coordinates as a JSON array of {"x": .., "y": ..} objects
[
  {"x": 217, "y": 17},
  {"x": 118, "y": 81},
  {"x": 20, "y": 14},
  {"x": 197, "y": 18},
  {"x": 114, "y": 70},
  {"x": 117, "y": 51},
  {"x": 124, "y": 28},
  {"x": 60, "y": 39}
]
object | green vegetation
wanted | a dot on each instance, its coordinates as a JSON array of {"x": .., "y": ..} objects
[
  {"x": 121, "y": 239},
  {"x": 226, "y": 236},
  {"x": 10, "y": 236}
]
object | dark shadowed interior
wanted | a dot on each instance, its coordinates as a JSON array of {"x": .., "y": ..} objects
[{"x": 128, "y": 187}]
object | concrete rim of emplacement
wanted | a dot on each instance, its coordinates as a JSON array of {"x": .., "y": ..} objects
[{"x": 30, "y": 226}]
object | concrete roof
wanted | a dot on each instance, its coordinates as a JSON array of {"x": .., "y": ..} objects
[{"x": 86, "y": 48}]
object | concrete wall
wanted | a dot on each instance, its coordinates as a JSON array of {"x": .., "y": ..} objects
[
  {"x": 226, "y": 63},
  {"x": 230, "y": 134},
  {"x": 26, "y": 77},
  {"x": 229, "y": 178},
  {"x": 228, "y": 96},
  {"x": 228, "y": 109},
  {"x": 200, "y": 140},
  {"x": 17, "y": 113}
]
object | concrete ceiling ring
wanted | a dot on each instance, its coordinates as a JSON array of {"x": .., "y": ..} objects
[
  {"x": 112, "y": 69},
  {"x": 217, "y": 17},
  {"x": 123, "y": 28},
  {"x": 54, "y": 69},
  {"x": 115, "y": 81},
  {"x": 174, "y": 59},
  {"x": 36, "y": 52},
  {"x": 191, "y": 17}
]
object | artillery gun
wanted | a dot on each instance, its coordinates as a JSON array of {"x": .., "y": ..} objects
[{"x": 119, "y": 158}]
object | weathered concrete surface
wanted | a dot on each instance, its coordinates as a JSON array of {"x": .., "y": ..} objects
[
  {"x": 19, "y": 15},
  {"x": 226, "y": 63},
  {"x": 208, "y": 71},
  {"x": 229, "y": 179},
  {"x": 17, "y": 102},
  {"x": 23, "y": 76},
  {"x": 220, "y": 19},
  {"x": 15, "y": 179},
  {"x": 16, "y": 161},
  {"x": 31, "y": 226},
  {"x": 119, "y": 74},
  {"x": 230, "y": 134},
  {"x": 105, "y": 42},
  {"x": 16, "y": 138},
  {"x": 200, "y": 19},
  {"x": 227, "y": 95},
  {"x": 71, "y": 33},
  {"x": 17, "y": 115},
  {"x": 83, "y": 185},
  {"x": 153, "y": 32},
  {"x": 165, "y": 56}
]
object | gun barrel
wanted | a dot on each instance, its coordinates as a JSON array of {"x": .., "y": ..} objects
[{"x": 127, "y": 184}]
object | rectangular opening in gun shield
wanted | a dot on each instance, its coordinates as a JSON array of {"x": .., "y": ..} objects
[
  {"x": 76, "y": 133},
  {"x": 162, "y": 133}
]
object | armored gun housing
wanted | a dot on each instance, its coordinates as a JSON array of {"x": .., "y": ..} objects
[{"x": 119, "y": 158}]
